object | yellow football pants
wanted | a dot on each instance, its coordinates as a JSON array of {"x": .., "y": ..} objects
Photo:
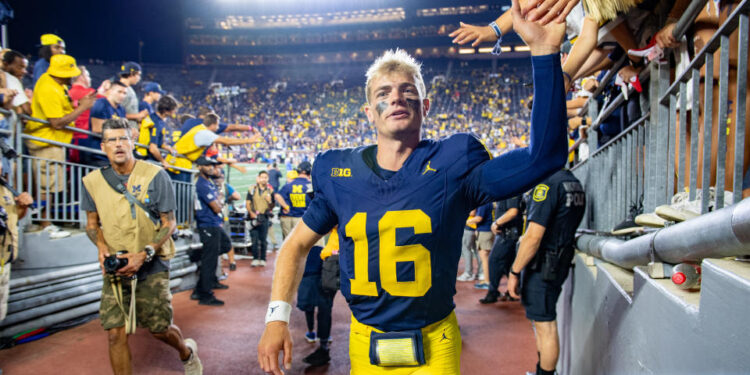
[{"x": 442, "y": 350}]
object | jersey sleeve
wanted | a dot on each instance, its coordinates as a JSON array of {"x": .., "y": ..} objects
[
  {"x": 542, "y": 204},
  {"x": 98, "y": 110},
  {"x": 319, "y": 216},
  {"x": 485, "y": 212},
  {"x": 518, "y": 170}
]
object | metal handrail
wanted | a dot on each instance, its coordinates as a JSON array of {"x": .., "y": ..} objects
[
  {"x": 602, "y": 85},
  {"x": 713, "y": 44}
]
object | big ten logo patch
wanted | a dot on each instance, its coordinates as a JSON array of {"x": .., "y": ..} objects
[{"x": 341, "y": 172}]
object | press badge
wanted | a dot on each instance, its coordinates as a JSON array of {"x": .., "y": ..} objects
[{"x": 397, "y": 348}]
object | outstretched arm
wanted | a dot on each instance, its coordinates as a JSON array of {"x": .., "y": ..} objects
[{"x": 516, "y": 171}]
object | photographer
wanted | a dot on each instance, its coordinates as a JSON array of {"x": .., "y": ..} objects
[
  {"x": 259, "y": 204},
  {"x": 12, "y": 208},
  {"x": 555, "y": 210},
  {"x": 130, "y": 210}
]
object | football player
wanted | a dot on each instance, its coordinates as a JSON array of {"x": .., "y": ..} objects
[{"x": 400, "y": 207}]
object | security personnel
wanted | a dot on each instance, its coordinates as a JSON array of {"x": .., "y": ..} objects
[
  {"x": 11, "y": 210},
  {"x": 210, "y": 223},
  {"x": 507, "y": 228},
  {"x": 555, "y": 210},
  {"x": 130, "y": 214},
  {"x": 293, "y": 198}
]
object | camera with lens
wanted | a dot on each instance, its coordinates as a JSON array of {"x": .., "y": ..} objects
[
  {"x": 112, "y": 263},
  {"x": 7, "y": 151},
  {"x": 3, "y": 221}
]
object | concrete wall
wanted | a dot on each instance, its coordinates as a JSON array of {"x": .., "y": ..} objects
[{"x": 614, "y": 321}]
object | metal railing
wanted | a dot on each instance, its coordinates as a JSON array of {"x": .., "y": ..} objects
[
  {"x": 64, "y": 206},
  {"x": 647, "y": 161}
]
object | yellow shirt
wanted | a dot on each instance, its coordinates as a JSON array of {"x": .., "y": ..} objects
[{"x": 50, "y": 100}]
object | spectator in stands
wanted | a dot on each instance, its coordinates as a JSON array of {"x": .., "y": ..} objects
[
  {"x": 152, "y": 94},
  {"x": 114, "y": 223},
  {"x": 14, "y": 65},
  {"x": 153, "y": 129},
  {"x": 483, "y": 221},
  {"x": 52, "y": 105},
  {"x": 507, "y": 228},
  {"x": 51, "y": 45},
  {"x": 293, "y": 198},
  {"x": 194, "y": 142},
  {"x": 259, "y": 203},
  {"x": 469, "y": 251},
  {"x": 547, "y": 247},
  {"x": 82, "y": 87},
  {"x": 209, "y": 220},
  {"x": 274, "y": 176},
  {"x": 130, "y": 75},
  {"x": 14, "y": 208},
  {"x": 103, "y": 110}
]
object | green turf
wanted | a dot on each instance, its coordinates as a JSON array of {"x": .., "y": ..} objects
[{"x": 241, "y": 182}]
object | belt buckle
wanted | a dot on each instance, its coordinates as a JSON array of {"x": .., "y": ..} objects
[{"x": 400, "y": 349}]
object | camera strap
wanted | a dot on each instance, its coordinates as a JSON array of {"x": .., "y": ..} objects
[
  {"x": 116, "y": 284},
  {"x": 109, "y": 175}
]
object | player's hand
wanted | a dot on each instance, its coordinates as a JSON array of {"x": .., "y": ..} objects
[
  {"x": 664, "y": 37},
  {"x": 24, "y": 200},
  {"x": 544, "y": 11},
  {"x": 275, "y": 338},
  {"x": 135, "y": 261},
  {"x": 513, "y": 286},
  {"x": 479, "y": 34},
  {"x": 542, "y": 40}
]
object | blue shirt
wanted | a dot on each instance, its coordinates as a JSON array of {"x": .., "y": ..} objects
[
  {"x": 206, "y": 193},
  {"x": 102, "y": 109},
  {"x": 295, "y": 195},
  {"x": 485, "y": 211},
  {"x": 146, "y": 105},
  {"x": 408, "y": 229},
  {"x": 40, "y": 67}
]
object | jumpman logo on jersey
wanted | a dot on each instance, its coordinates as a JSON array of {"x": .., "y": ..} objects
[
  {"x": 428, "y": 168},
  {"x": 444, "y": 337}
]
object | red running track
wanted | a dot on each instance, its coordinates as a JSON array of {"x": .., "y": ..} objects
[{"x": 497, "y": 339}]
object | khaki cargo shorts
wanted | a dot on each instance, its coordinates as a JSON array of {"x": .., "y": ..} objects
[
  {"x": 4, "y": 290},
  {"x": 153, "y": 303},
  {"x": 484, "y": 240},
  {"x": 49, "y": 174}
]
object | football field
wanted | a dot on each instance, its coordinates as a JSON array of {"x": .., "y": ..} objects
[{"x": 241, "y": 182}]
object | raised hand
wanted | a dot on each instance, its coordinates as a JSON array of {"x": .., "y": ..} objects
[
  {"x": 466, "y": 33},
  {"x": 541, "y": 39}
]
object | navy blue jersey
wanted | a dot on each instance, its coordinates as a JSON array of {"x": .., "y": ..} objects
[
  {"x": 295, "y": 195},
  {"x": 206, "y": 192},
  {"x": 147, "y": 106},
  {"x": 485, "y": 211},
  {"x": 400, "y": 237}
]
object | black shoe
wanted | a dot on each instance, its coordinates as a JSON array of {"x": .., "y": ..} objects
[
  {"x": 211, "y": 301},
  {"x": 233, "y": 266},
  {"x": 491, "y": 297},
  {"x": 218, "y": 285},
  {"x": 318, "y": 358},
  {"x": 507, "y": 298}
]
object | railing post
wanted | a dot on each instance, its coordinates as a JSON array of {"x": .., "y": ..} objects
[{"x": 740, "y": 107}]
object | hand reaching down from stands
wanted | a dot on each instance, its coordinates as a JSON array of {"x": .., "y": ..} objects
[
  {"x": 478, "y": 34},
  {"x": 8, "y": 95},
  {"x": 628, "y": 72},
  {"x": 544, "y": 11},
  {"x": 665, "y": 38},
  {"x": 541, "y": 39}
]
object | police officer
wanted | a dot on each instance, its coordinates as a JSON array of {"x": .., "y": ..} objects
[
  {"x": 556, "y": 208},
  {"x": 292, "y": 198},
  {"x": 215, "y": 240},
  {"x": 130, "y": 208},
  {"x": 507, "y": 228}
]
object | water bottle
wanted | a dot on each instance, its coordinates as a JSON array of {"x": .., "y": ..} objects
[{"x": 686, "y": 276}]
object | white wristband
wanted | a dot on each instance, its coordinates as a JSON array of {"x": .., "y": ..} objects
[{"x": 278, "y": 311}]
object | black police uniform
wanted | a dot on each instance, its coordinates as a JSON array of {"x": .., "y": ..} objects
[
  {"x": 558, "y": 204},
  {"x": 504, "y": 249}
]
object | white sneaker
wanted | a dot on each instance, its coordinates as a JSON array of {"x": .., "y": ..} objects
[
  {"x": 193, "y": 365},
  {"x": 650, "y": 220},
  {"x": 262, "y": 263},
  {"x": 255, "y": 263},
  {"x": 55, "y": 232},
  {"x": 479, "y": 276},
  {"x": 465, "y": 277}
]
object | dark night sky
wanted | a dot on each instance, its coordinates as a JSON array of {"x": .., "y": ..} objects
[{"x": 105, "y": 29}]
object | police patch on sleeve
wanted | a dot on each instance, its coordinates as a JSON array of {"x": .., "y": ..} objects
[{"x": 540, "y": 193}]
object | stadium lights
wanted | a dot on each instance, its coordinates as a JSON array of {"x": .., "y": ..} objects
[
  {"x": 465, "y": 51},
  {"x": 522, "y": 49},
  {"x": 505, "y": 49},
  {"x": 486, "y": 50}
]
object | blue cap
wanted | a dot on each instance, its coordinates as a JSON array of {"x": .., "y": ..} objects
[
  {"x": 153, "y": 87},
  {"x": 130, "y": 67}
]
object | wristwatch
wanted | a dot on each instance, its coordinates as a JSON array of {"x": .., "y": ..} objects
[{"x": 150, "y": 252}]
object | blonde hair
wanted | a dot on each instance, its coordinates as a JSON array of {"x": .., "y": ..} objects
[{"x": 398, "y": 61}]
